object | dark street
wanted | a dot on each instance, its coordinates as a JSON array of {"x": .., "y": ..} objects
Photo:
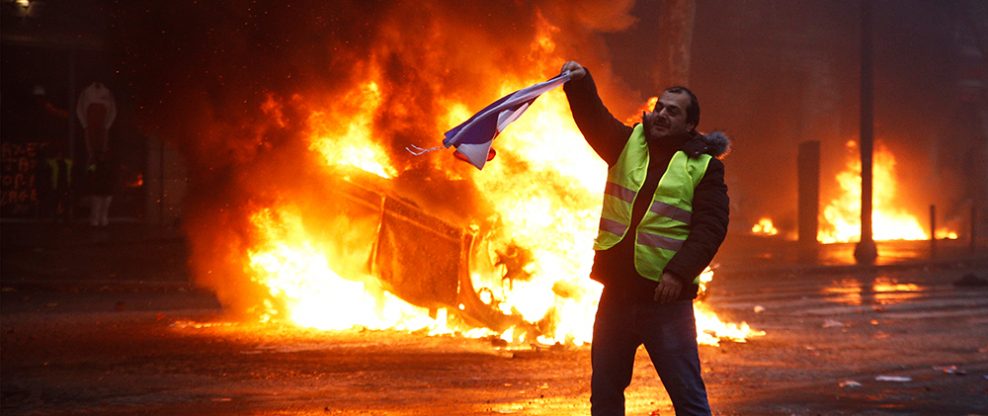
[{"x": 123, "y": 344}]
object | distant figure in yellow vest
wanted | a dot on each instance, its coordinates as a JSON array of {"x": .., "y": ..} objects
[
  {"x": 96, "y": 110},
  {"x": 665, "y": 215}
]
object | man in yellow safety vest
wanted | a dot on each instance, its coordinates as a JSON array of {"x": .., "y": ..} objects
[{"x": 664, "y": 216}]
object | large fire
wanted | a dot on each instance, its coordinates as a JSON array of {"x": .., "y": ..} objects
[
  {"x": 842, "y": 216},
  {"x": 316, "y": 257},
  {"x": 545, "y": 191}
]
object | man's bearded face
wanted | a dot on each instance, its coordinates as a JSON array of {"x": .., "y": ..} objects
[{"x": 668, "y": 118}]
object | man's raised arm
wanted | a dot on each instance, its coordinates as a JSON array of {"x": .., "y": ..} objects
[{"x": 605, "y": 133}]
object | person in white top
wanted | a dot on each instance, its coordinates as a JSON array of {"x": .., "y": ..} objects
[{"x": 97, "y": 110}]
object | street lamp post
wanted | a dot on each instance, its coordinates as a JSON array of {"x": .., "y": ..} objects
[{"x": 866, "y": 251}]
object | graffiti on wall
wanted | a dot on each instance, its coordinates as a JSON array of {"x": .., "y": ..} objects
[{"x": 19, "y": 183}]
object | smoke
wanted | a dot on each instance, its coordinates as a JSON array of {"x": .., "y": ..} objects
[{"x": 234, "y": 85}]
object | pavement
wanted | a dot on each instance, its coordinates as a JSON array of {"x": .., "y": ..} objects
[
  {"x": 51, "y": 267},
  {"x": 123, "y": 252},
  {"x": 110, "y": 322}
]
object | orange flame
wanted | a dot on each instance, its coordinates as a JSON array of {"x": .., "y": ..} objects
[
  {"x": 316, "y": 284},
  {"x": 351, "y": 143},
  {"x": 710, "y": 329},
  {"x": 946, "y": 234},
  {"x": 764, "y": 227},
  {"x": 842, "y": 216}
]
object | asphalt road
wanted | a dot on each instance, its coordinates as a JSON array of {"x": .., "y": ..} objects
[{"x": 167, "y": 349}]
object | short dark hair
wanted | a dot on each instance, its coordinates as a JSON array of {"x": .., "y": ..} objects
[{"x": 693, "y": 111}]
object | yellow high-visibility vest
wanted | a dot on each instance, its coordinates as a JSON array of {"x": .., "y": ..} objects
[{"x": 666, "y": 224}]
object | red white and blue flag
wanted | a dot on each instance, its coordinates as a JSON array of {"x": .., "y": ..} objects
[{"x": 473, "y": 137}]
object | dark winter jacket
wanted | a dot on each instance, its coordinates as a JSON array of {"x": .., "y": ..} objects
[{"x": 615, "y": 267}]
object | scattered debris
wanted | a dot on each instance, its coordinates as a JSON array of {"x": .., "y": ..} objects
[
  {"x": 971, "y": 280},
  {"x": 833, "y": 323},
  {"x": 759, "y": 308},
  {"x": 849, "y": 384},
  {"x": 950, "y": 369},
  {"x": 896, "y": 379}
]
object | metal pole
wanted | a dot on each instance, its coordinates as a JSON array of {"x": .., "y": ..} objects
[
  {"x": 933, "y": 231},
  {"x": 72, "y": 133},
  {"x": 866, "y": 251},
  {"x": 161, "y": 184},
  {"x": 974, "y": 227},
  {"x": 808, "y": 171}
]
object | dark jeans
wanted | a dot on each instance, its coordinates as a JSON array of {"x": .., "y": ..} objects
[{"x": 669, "y": 334}]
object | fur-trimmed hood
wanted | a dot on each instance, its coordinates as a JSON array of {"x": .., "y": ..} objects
[{"x": 715, "y": 144}]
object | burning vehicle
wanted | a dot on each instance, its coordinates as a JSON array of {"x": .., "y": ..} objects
[{"x": 304, "y": 210}]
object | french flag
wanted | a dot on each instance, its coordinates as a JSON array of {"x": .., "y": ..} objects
[{"x": 473, "y": 138}]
